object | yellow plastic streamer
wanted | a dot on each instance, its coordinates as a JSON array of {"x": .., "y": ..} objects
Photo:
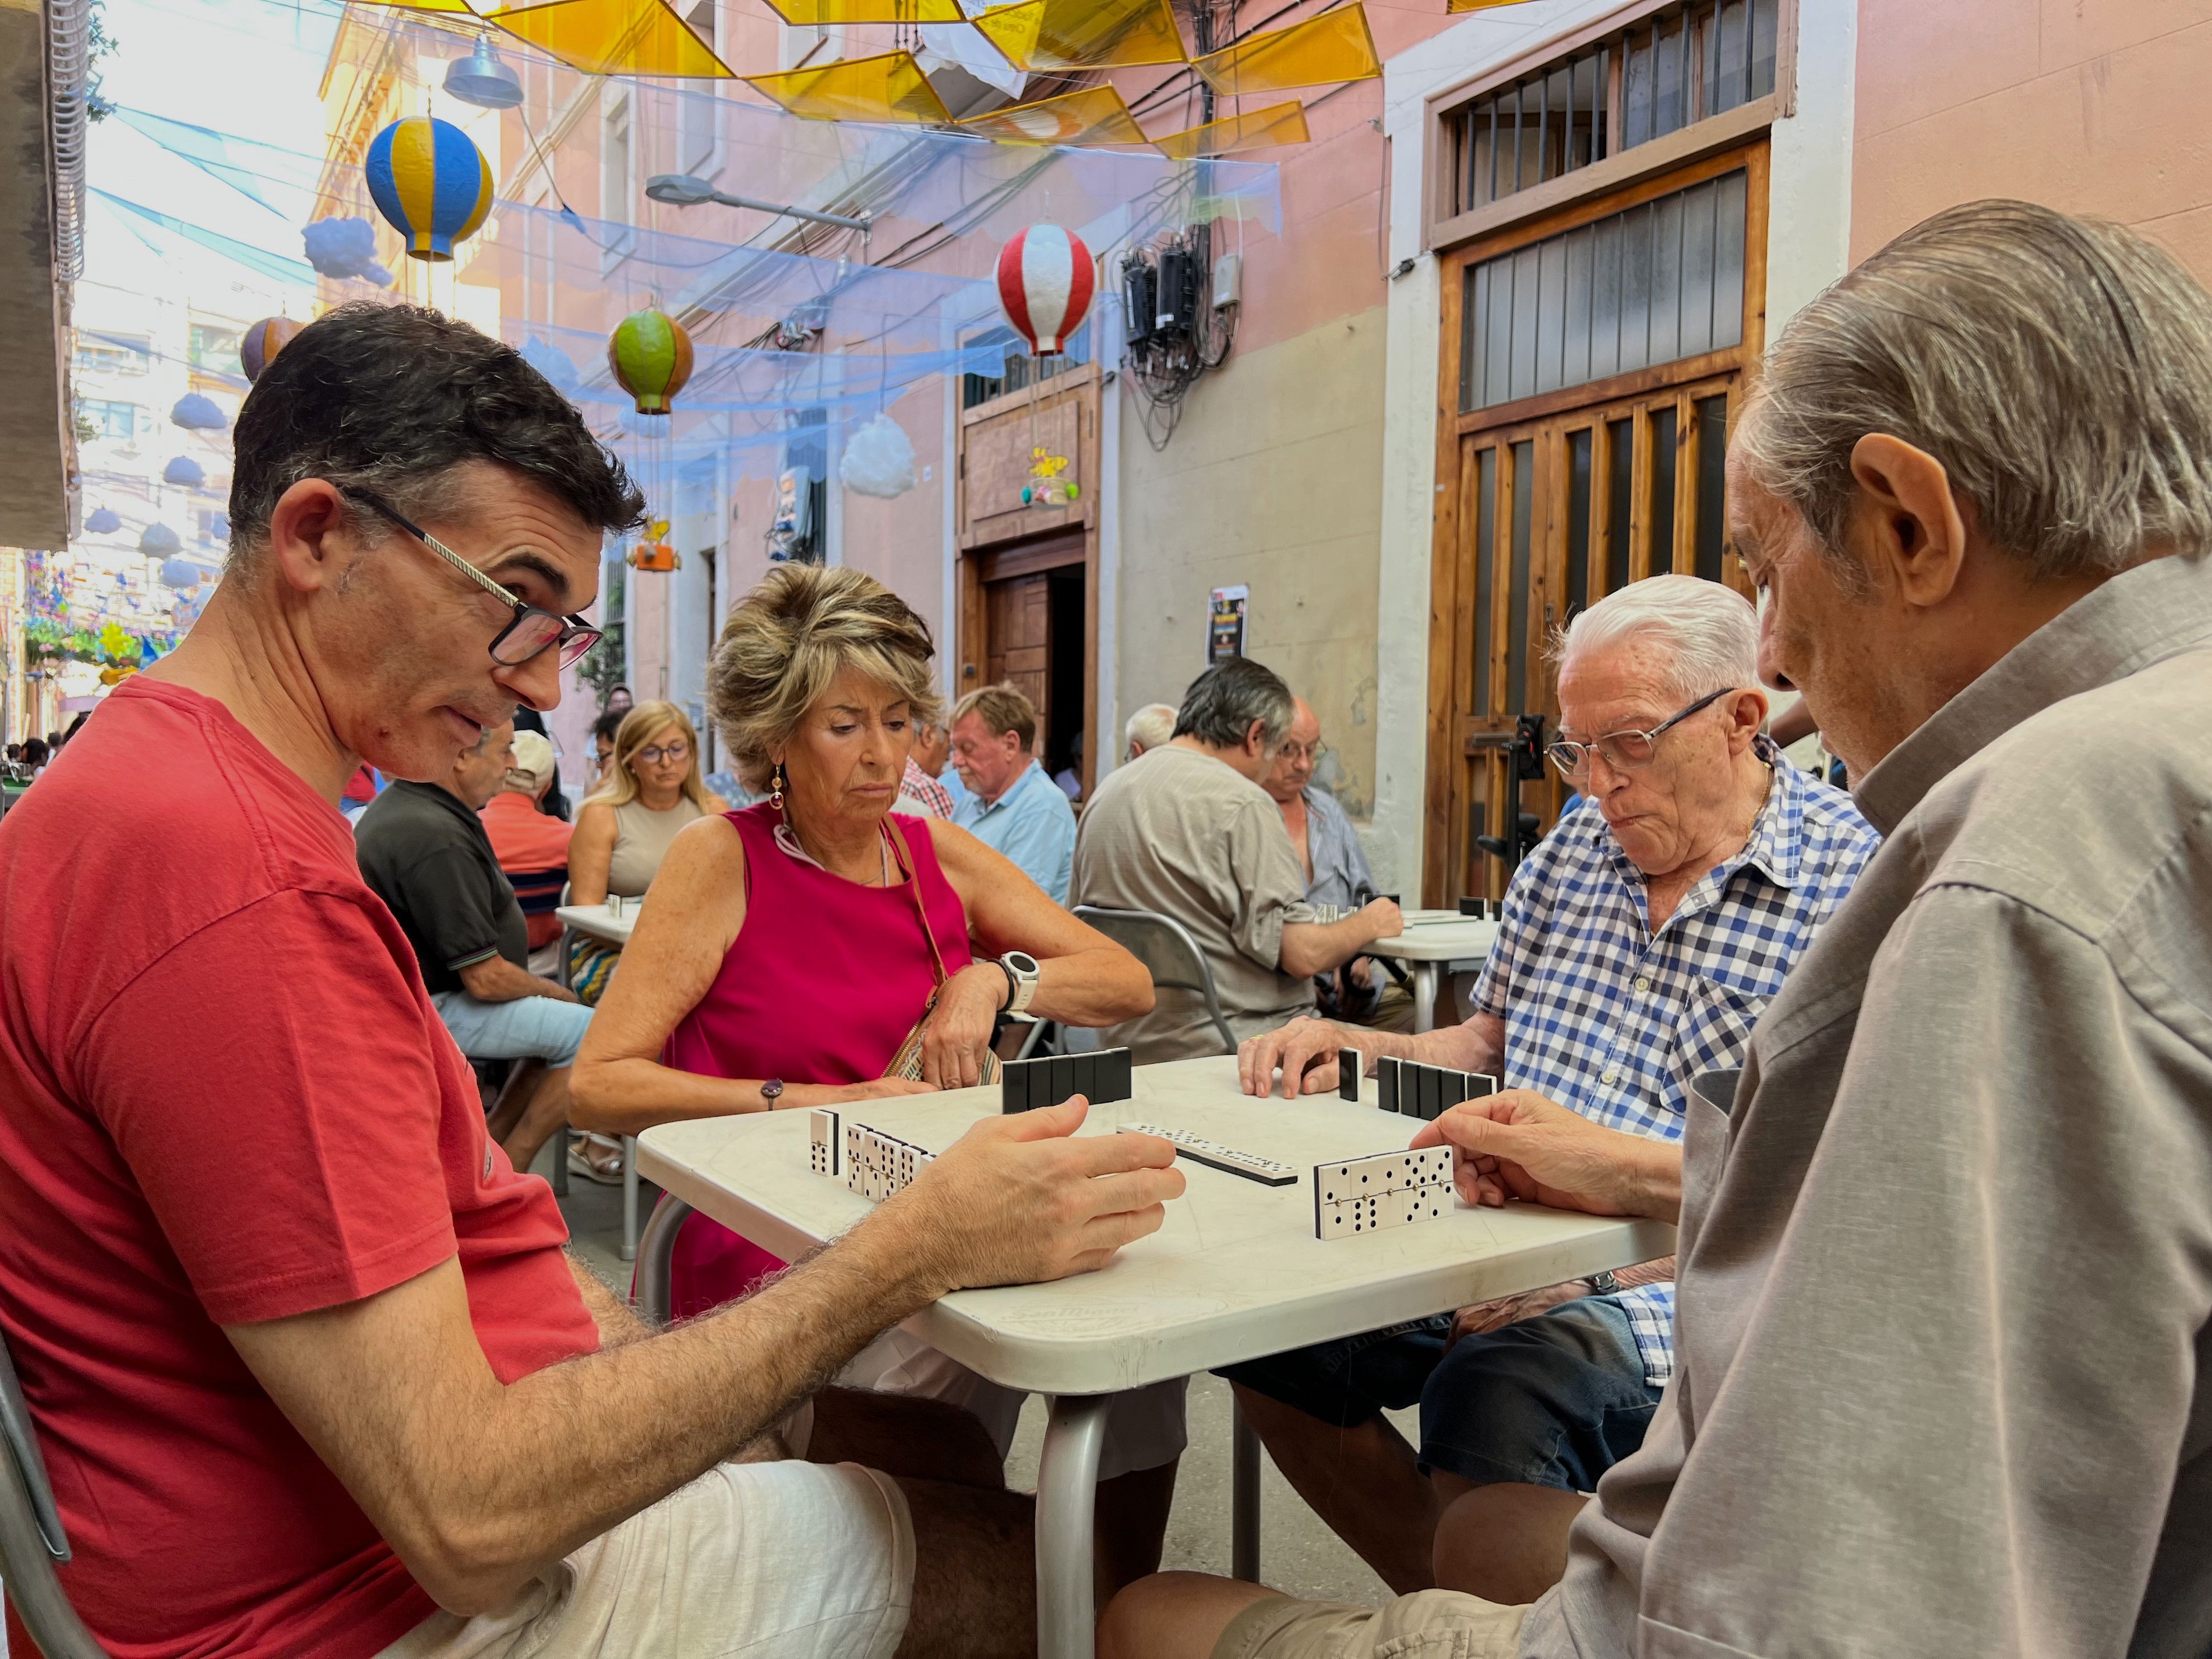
[
  {"x": 889, "y": 87},
  {"x": 1091, "y": 115},
  {"x": 1259, "y": 128},
  {"x": 615, "y": 37},
  {"x": 831, "y": 14},
  {"x": 1044, "y": 35},
  {"x": 1480, "y": 5},
  {"x": 1332, "y": 47}
]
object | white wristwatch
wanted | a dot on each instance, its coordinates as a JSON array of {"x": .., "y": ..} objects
[{"x": 1021, "y": 971}]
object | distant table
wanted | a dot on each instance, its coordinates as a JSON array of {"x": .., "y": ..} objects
[
  {"x": 1235, "y": 1273},
  {"x": 595, "y": 921},
  {"x": 1423, "y": 946}
]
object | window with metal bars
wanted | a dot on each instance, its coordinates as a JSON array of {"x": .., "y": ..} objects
[{"x": 1665, "y": 72}]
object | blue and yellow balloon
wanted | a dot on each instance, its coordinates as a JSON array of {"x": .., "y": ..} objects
[{"x": 430, "y": 182}]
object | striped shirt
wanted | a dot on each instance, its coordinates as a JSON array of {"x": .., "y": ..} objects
[{"x": 1602, "y": 1016}]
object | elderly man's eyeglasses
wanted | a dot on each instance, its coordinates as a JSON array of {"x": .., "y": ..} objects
[
  {"x": 1624, "y": 751},
  {"x": 1298, "y": 751},
  {"x": 531, "y": 633}
]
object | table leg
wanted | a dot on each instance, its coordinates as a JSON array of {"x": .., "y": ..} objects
[
  {"x": 629, "y": 1198},
  {"x": 1067, "y": 1498},
  {"x": 656, "y": 1252},
  {"x": 1424, "y": 996},
  {"x": 1243, "y": 1497}
]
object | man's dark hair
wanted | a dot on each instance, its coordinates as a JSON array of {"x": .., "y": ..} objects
[
  {"x": 1222, "y": 702},
  {"x": 392, "y": 398},
  {"x": 608, "y": 724},
  {"x": 36, "y": 752}
]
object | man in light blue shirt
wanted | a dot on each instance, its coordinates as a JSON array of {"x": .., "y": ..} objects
[{"x": 1008, "y": 801}]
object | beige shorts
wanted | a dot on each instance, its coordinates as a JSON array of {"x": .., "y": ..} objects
[
  {"x": 784, "y": 1560},
  {"x": 1429, "y": 1625}
]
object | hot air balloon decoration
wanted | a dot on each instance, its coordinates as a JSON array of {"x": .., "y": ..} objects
[
  {"x": 430, "y": 182},
  {"x": 656, "y": 552},
  {"x": 1045, "y": 280},
  {"x": 650, "y": 356},
  {"x": 264, "y": 341}
]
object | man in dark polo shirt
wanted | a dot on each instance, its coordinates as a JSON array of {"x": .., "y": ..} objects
[{"x": 426, "y": 854}]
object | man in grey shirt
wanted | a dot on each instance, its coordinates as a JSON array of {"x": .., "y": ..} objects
[
  {"x": 1187, "y": 832},
  {"x": 1944, "y": 1380}
]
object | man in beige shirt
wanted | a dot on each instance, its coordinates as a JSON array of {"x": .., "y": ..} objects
[
  {"x": 1943, "y": 1373},
  {"x": 1186, "y": 831}
]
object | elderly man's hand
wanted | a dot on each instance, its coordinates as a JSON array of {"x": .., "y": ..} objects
[
  {"x": 1293, "y": 1048},
  {"x": 1519, "y": 1144},
  {"x": 1022, "y": 1199},
  {"x": 1384, "y": 916},
  {"x": 959, "y": 1033}
]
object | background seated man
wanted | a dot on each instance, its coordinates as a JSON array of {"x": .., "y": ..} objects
[
  {"x": 1188, "y": 832},
  {"x": 1640, "y": 941},
  {"x": 1009, "y": 802},
  {"x": 1336, "y": 876},
  {"x": 1149, "y": 727},
  {"x": 427, "y": 855},
  {"x": 530, "y": 844},
  {"x": 379, "y": 1411},
  {"x": 921, "y": 790}
]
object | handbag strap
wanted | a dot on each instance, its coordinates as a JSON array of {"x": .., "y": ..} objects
[{"x": 909, "y": 872}]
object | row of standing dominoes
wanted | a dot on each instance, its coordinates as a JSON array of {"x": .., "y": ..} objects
[
  {"x": 1410, "y": 1086},
  {"x": 1388, "y": 1189},
  {"x": 874, "y": 1165},
  {"x": 1099, "y": 1076},
  {"x": 1231, "y": 1160}
]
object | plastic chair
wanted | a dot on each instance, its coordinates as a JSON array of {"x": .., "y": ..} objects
[
  {"x": 1169, "y": 954},
  {"x": 32, "y": 1540}
]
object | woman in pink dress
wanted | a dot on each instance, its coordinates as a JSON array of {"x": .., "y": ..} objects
[{"x": 790, "y": 951}]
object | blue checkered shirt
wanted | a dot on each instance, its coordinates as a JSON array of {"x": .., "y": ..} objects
[{"x": 1602, "y": 1017}]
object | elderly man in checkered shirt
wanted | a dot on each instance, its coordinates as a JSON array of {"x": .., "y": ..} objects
[{"x": 1640, "y": 944}]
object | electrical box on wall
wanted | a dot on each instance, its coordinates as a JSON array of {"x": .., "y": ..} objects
[{"x": 1228, "y": 280}]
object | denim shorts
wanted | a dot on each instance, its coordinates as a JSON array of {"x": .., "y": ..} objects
[
  {"x": 1553, "y": 1401},
  {"x": 528, "y": 1028}
]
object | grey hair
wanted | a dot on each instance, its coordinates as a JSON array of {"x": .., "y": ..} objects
[
  {"x": 1222, "y": 703},
  {"x": 1151, "y": 726},
  {"x": 1710, "y": 632},
  {"x": 2060, "y": 369}
]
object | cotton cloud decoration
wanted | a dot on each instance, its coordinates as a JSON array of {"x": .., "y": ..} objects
[
  {"x": 878, "y": 460},
  {"x": 339, "y": 248}
]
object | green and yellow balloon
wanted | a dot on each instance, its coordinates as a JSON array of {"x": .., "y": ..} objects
[{"x": 651, "y": 356}]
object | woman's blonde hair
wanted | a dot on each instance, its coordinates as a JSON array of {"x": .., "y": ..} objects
[
  {"x": 791, "y": 637},
  {"x": 640, "y": 727}
]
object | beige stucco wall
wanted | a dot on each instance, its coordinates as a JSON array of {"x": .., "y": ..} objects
[
  {"x": 1273, "y": 480},
  {"x": 2093, "y": 105}
]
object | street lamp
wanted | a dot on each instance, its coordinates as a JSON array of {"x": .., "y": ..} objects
[{"x": 681, "y": 190}]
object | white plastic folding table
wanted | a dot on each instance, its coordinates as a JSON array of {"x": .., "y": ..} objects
[
  {"x": 1234, "y": 1274},
  {"x": 601, "y": 922},
  {"x": 1433, "y": 939}
]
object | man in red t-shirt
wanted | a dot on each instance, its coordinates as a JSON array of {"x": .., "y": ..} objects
[{"x": 311, "y": 1370}]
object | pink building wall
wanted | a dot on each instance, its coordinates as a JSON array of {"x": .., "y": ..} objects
[{"x": 2091, "y": 105}]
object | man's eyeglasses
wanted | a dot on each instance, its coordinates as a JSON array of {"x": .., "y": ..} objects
[
  {"x": 660, "y": 752},
  {"x": 531, "y": 633},
  {"x": 1624, "y": 751},
  {"x": 1298, "y": 751}
]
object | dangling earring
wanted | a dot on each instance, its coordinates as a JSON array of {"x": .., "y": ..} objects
[{"x": 775, "y": 787}]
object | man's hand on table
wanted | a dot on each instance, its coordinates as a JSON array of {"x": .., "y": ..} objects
[
  {"x": 1023, "y": 1198},
  {"x": 1519, "y": 1144},
  {"x": 1301, "y": 1044},
  {"x": 1506, "y": 1310}
]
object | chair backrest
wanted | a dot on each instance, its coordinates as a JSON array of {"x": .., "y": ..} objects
[
  {"x": 540, "y": 892},
  {"x": 30, "y": 1536},
  {"x": 1169, "y": 952}
]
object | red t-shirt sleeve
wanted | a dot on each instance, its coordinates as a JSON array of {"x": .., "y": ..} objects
[{"x": 270, "y": 1083}]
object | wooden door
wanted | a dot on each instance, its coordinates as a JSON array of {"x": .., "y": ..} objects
[
  {"x": 1552, "y": 515},
  {"x": 1018, "y": 625}
]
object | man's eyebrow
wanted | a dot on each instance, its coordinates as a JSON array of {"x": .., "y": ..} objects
[{"x": 538, "y": 565}]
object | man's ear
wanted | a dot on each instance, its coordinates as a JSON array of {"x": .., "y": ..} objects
[
  {"x": 1747, "y": 712},
  {"x": 1909, "y": 526},
  {"x": 305, "y": 539}
]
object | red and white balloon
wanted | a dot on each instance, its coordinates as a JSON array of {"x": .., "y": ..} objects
[{"x": 1045, "y": 283}]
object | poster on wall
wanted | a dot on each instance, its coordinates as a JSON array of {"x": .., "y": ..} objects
[{"x": 1224, "y": 623}]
